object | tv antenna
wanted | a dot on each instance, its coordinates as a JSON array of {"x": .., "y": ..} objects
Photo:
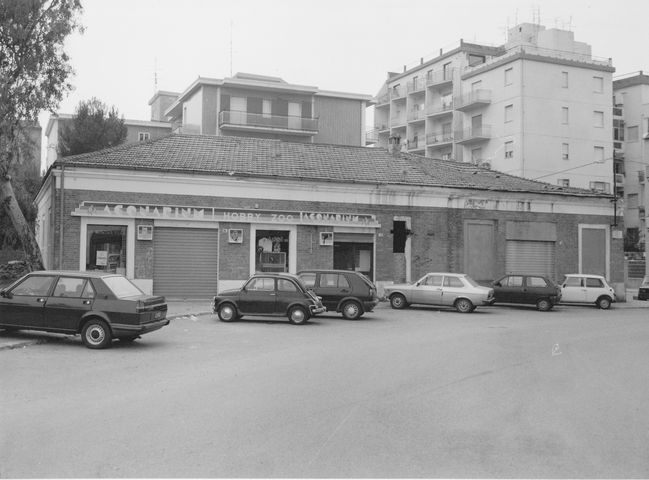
[{"x": 230, "y": 47}]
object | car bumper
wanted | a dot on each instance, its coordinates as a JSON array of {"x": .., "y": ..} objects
[
  {"x": 122, "y": 329},
  {"x": 490, "y": 301},
  {"x": 315, "y": 310},
  {"x": 369, "y": 305}
]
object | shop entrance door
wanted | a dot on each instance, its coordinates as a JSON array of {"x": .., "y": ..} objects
[{"x": 355, "y": 257}]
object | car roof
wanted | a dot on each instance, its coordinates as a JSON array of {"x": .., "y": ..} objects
[
  {"x": 76, "y": 273},
  {"x": 274, "y": 274},
  {"x": 325, "y": 270},
  {"x": 447, "y": 273},
  {"x": 584, "y": 275}
]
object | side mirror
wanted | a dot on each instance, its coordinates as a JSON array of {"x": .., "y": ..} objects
[
  {"x": 497, "y": 284},
  {"x": 5, "y": 294}
]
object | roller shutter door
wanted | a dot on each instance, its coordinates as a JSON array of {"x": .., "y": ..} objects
[
  {"x": 532, "y": 257},
  {"x": 185, "y": 262}
]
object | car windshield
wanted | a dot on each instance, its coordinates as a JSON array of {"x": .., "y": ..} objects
[{"x": 122, "y": 287}]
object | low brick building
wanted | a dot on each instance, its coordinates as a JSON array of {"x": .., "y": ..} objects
[{"x": 186, "y": 215}]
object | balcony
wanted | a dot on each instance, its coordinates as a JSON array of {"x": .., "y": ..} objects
[
  {"x": 475, "y": 99},
  {"x": 415, "y": 145},
  {"x": 399, "y": 121},
  {"x": 397, "y": 93},
  {"x": 243, "y": 121},
  {"x": 372, "y": 137},
  {"x": 417, "y": 85},
  {"x": 416, "y": 116},
  {"x": 383, "y": 100},
  {"x": 439, "y": 139},
  {"x": 439, "y": 109},
  {"x": 440, "y": 78},
  {"x": 473, "y": 135}
]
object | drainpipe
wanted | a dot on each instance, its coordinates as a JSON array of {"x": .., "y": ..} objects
[{"x": 62, "y": 206}]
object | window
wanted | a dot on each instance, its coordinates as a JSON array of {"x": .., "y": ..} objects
[
  {"x": 564, "y": 79},
  {"x": 513, "y": 281},
  {"x": 563, "y": 182},
  {"x": 37, "y": 286},
  {"x": 308, "y": 279},
  {"x": 598, "y": 84},
  {"x": 632, "y": 200},
  {"x": 598, "y": 119},
  {"x": 509, "y": 74},
  {"x": 453, "y": 282},
  {"x": 284, "y": 285},
  {"x": 69, "y": 287},
  {"x": 143, "y": 136},
  {"x": 564, "y": 115},
  {"x": 603, "y": 187},
  {"x": 106, "y": 248},
  {"x": 594, "y": 283},
  {"x": 261, "y": 284},
  {"x": 272, "y": 249},
  {"x": 536, "y": 282},
  {"x": 266, "y": 108},
  {"x": 509, "y": 149},
  {"x": 598, "y": 155},
  {"x": 434, "y": 280},
  {"x": 632, "y": 133},
  {"x": 565, "y": 151},
  {"x": 573, "y": 282},
  {"x": 476, "y": 59},
  {"x": 509, "y": 113},
  {"x": 645, "y": 127},
  {"x": 476, "y": 155},
  {"x": 448, "y": 71},
  {"x": 333, "y": 280}
]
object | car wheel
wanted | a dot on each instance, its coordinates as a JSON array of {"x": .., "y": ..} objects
[
  {"x": 297, "y": 316},
  {"x": 351, "y": 310},
  {"x": 227, "y": 312},
  {"x": 604, "y": 303},
  {"x": 543, "y": 304},
  {"x": 96, "y": 334},
  {"x": 398, "y": 301},
  {"x": 464, "y": 305}
]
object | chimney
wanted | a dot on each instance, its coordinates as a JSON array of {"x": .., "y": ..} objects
[{"x": 394, "y": 144}]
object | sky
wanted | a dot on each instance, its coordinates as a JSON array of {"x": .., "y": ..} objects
[{"x": 132, "y": 48}]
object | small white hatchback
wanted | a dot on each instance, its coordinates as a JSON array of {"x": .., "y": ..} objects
[{"x": 586, "y": 288}]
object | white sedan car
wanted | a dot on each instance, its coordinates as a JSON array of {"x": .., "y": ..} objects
[
  {"x": 444, "y": 289},
  {"x": 581, "y": 288}
]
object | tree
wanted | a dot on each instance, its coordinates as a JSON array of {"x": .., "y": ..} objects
[
  {"x": 34, "y": 73},
  {"x": 92, "y": 128}
]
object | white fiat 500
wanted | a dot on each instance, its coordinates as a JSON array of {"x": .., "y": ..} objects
[{"x": 584, "y": 288}]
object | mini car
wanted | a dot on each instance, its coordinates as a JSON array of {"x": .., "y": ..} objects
[
  {"x": 444, "y": 289},
  {"x": 345, "y": 291},
  {"x": 643, "y": 290},
  {"x": 268, "y": 295},
  {"x": 584, "y": 289},
  {"x": 527, "y": 289},
  {"x": 99, "y": 306}
]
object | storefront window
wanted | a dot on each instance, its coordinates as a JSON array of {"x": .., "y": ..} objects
[
  {"x": 106, "y": 248},
  {"x": 272, "y": 251}
]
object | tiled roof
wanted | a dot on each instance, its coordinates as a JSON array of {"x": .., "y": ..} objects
[{"x": 254, "y": 157}]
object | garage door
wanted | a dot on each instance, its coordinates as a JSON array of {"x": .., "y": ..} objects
[
  {"x": 185, "y": 262},
  {"x": 532, "y": 257}
]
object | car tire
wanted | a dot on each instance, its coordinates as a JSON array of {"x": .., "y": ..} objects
[
  {"x": 543, "y": 304},
  {"x": 96, "y": 334},
  {"x": 227, "y": 312},
  {"x": 298, "y": 315},
  {"x": 351, "y": 310},
  {"x": 398, "y": 301},
  {"x": 603, "y": 302},
  {"x": 464, "y": 305}
]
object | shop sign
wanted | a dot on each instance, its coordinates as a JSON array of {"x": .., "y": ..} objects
[{"x": 114, "y": 210}]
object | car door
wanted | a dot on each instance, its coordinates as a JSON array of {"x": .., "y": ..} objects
[
  {"x": 428, "y": 290},
  {"x": 71, "y": 298},
  {"x": 573, "y": 290},
  {"x": 536, "y": 288},
  {"x": 593, "y": 288},
  {"x": 287, "y": 293},
  {"x": 332, "y": 287},
  {"x": 509, "y": 290},
  {"x": 258, "y": 297},
  {"x": 452, "y": 288},
  {"x": 23, "y": 304}
]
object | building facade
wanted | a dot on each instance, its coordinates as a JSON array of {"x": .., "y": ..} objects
[
  {"x": 136, "y": 131},
  {"x": 187, "y": 215},
  {"x": 631, "y": 142},
  {"x": 259, "y": 106},
  {"x": 538, "y": 106}
]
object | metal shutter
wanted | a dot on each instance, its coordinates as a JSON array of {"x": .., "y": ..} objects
[
  {"x": 531, "y": 257},
  {"x": 185, "y": 262}
]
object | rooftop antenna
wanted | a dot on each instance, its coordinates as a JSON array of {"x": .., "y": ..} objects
[{"x": 230, "y": 47}]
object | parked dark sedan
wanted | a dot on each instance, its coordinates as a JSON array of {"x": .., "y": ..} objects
[
  {"x": 643, "y": 290},
  {"x": 99, "y": 306},
  {"x": 527, "y": 290},
  {"x": 269, "y": 295},
  {"x": 350, "y": 293}
]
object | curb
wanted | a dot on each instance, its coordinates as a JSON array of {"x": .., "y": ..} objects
[{"x": 23, "y": 344}]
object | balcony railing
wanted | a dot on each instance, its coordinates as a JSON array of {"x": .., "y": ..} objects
[
  {"x": 473, "y": 99},
  {"x": 473, "y": 135},
  {"x": 372, "y": 136},
  {"x": 439, "y": 108},
  {"x": 416, "y": 144},
  {"x": 439, "y": 138},
  {"x": 398, "y": 121},
  {"x": 397, "y": 93},
  {"x": 383, "y": 99},
  {"x": 414, "y": 115},
  {"x": 440, "y": 77},
  {"x": 417, "y": 85},
  {"x": 260, "y": 121}
]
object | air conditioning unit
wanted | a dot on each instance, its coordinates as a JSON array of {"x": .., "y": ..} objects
[{"x": 619, "y": 179}]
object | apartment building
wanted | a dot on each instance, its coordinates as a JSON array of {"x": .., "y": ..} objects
[
  {"x": 136, "y": 131},
  {"x": 248, "y": 105},
  {"x": 539, "y": 106},
  {"x": 631, "y": 150}
]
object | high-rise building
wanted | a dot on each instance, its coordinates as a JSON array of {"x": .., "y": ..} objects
[{"x": 538, "y": 106}]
